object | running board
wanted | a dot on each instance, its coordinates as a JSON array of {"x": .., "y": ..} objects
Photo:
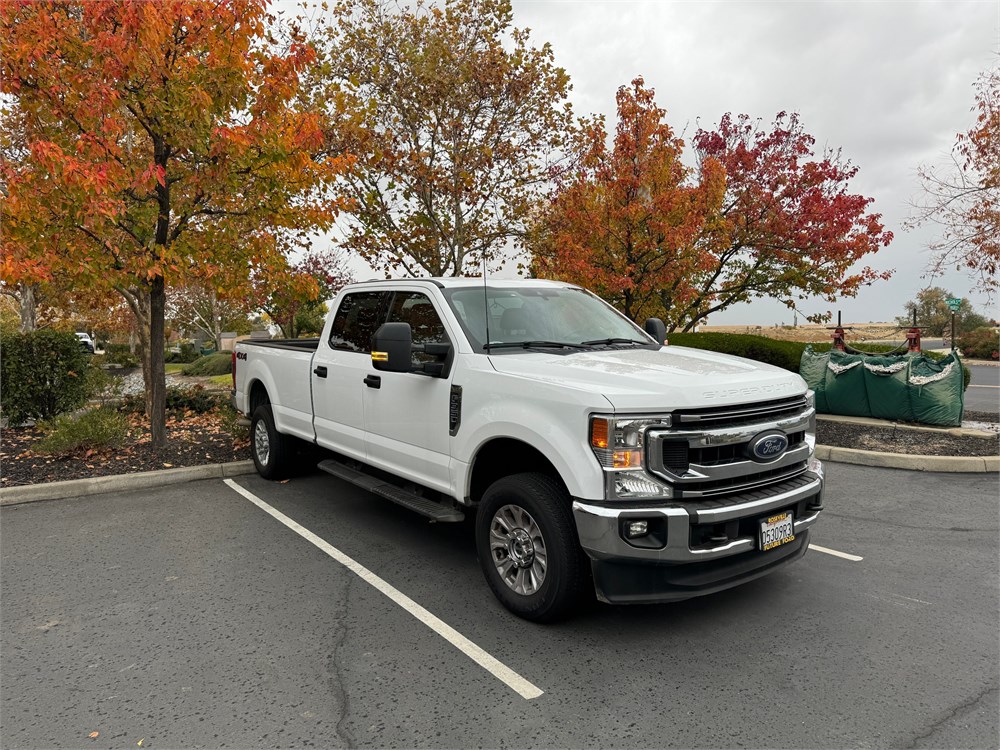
[{"x": 410, "y": 500}]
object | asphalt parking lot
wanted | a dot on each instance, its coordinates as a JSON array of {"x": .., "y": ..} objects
[
  {"x": 190, "y": 617},
  {"x": 983, "y": 393}
]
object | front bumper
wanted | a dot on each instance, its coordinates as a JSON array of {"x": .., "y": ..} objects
[{"x": 694, "y": 548}]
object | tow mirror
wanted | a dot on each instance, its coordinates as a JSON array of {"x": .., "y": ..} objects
[
  {"x": 391, "y": 347},
  {"x": 655, "y": 328}
]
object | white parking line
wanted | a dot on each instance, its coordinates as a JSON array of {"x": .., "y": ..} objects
[
  {"x": 499, "y": 670},
  {"x": 984, "y": 386},
  {"x": 852, "y": 558}
]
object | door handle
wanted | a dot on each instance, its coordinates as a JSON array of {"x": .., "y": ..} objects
[
  {"x": 373, "y": 381},
  {"x": 320, "y": 371}
]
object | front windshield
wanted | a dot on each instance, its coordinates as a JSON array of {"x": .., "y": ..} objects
[{"x": 527, "y": 316}]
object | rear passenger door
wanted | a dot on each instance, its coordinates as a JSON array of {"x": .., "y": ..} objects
[
  {"x": 340, "y": 367},
  {"x": 406, "y": 413}
]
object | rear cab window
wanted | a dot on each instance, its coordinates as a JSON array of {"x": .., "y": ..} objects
[{"x": 360, "y": 314}]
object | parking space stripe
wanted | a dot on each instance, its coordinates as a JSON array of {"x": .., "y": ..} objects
[
  {"x": 499, "y": 670},
  {"x": 852, "y": 558}
]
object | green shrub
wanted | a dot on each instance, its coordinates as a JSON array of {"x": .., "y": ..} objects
[
  {"x": 98, "y": 428},
  {"x": 186, "y": 354},
  {"x": 234, "y": 423},
  {"x": 120, "y": 354},
  {"x": 785, "y": 354},
  {"x": 195, "y": 399},
  {"x": 214, "y": 364},
  {"x": 42, "y": 374},
  {"x": 982, "y": 343}
]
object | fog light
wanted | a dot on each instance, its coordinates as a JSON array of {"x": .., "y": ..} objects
[{"x": 635, "y": 529}]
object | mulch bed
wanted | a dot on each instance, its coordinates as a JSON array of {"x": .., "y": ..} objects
[
  {"x": 921, "y": 443},
  {"x": 192, "y": 440}
]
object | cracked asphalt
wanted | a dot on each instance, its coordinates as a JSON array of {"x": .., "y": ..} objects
[{"x": 187, "y": 617}]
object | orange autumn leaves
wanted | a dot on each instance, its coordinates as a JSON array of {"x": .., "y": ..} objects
[
  {"x": 624, "y": 220},
  {"x": 156, "y": 139},
  {"x": 758, "y": 215}
]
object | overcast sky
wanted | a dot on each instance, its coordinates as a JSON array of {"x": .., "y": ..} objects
[{"x": 888, "y": 82}]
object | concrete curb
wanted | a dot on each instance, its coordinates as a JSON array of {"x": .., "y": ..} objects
[
  {"x": 870, "y": 422},
  {"x": 34, "y": 493},
  {"x": 972, "y": 464}
]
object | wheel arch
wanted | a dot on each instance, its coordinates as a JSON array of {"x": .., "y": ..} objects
[
  {"x": 505, "y": 456},
  {"x": 258, "y": 396}
]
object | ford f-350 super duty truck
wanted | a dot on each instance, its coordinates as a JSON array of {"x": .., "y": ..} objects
[{"x": 594, "y": 457}]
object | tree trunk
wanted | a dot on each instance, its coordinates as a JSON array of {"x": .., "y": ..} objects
[
  {"x": 216, "y": 321},
  {"x": 156, "y": 387},
  {"x": 29, "y": 307},
  {"x": 139, "y": 303}
]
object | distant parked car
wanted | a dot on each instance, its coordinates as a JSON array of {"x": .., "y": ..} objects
[{"x": 86, "y": 342}]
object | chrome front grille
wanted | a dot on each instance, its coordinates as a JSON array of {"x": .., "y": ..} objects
[
  {"x": 731, "y": 416},
  {"x": 704, "y": 454}
]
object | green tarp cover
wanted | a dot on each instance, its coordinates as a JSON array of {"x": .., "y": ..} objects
[
  {"x": 885, "y": 381},
  {"x": 937, "y": 390},
  {"x": 906, "y": 387},
  {"x": 845, "y": 385},
  {"x": 812, "y": 368}
]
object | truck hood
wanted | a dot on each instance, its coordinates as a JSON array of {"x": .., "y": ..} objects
[{"x": 656, "y": 380}]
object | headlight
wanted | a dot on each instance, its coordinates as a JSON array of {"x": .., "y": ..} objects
[{"x": 620, "y": 447}]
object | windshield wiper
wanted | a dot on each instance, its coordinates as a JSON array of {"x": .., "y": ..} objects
[
  {"x": 533, "y": 345},
  {"x": 597, "y": 342}
]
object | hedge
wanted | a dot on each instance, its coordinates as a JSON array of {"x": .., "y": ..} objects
[
  {"x": 212, "y": 364},
  {"x": 982, "y": 343},
  {"x": 784, "y": 354},
  {"x": 42, "y": 374}
]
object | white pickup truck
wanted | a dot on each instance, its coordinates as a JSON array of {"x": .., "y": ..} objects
[{"x": 594, "y": 457}]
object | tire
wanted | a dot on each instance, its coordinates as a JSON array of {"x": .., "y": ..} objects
[
  {"x": 273, "y": 453},
  {"x": 528, "y": 548}
]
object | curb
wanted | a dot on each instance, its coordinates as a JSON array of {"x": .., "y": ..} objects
[
  {"x": 34, "y": 493},
  {"x": 872, "y": 422},
  {"x": 970, "y": 464}
]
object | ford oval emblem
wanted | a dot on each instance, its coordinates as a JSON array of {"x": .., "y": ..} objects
[{"x": 767, "y": 446}]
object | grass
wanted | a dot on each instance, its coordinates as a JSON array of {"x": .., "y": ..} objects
[
  {"x": 174, "y": 367},
  {"x": 221, "y": 380}
]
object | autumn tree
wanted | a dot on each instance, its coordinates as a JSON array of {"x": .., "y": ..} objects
[
  {"x": 295, "y": 301},
  {"x": 162, "y": 139},
  {"x": 790, "y": 227},
  {"x": 963, "y": 199},
  {"x": 760, "y": 216},
  {"x": 205, "y": 309},
  {"x": 456, "y": 117},
  {"x": 934, "y": 315},
  {"x": 625, "y": 220}
]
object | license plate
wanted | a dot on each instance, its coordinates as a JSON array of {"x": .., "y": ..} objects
[{"x": 776, "y": 530}]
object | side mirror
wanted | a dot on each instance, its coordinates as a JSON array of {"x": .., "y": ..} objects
[
  {"x": 391, "y": 347},
  {"x": 655, "y": 328}
]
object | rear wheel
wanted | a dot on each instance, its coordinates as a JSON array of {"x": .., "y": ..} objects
[
  {"x": 528, "y": 548},
  {"x": 272, "y": 451}
]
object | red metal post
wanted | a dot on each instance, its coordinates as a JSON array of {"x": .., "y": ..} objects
[{"x": 838, "y": 335}]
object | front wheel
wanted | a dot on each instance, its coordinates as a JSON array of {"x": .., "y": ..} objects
[
  {"x": 272, "y": 451},
  {"x": 528, "y": 548}
]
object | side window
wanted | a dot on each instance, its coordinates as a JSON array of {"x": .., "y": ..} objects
[
  {"x": 357, "y": 319},
  {"x": 416, "y": 309}
]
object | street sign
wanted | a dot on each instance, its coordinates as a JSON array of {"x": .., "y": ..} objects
[{"x": 954, "y": 304}]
